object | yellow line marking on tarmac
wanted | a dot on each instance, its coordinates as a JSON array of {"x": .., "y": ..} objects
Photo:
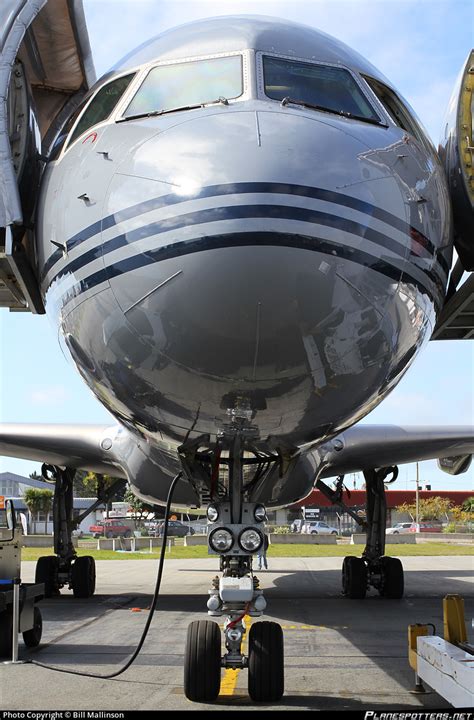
[
  {"x": 229, "y": 681},
  {"x": 313, "y": 627}
]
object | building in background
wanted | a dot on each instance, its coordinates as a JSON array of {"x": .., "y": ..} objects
[
  {"x": 13, "y": 486},
  {"x": 317, "y": 506}
]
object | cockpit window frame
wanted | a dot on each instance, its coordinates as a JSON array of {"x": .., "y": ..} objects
[
  {"x": 146, "y": 69},
  {"x": 405, "y": 118},
  {"x": 87, "y": 102},
  {"x": 310, "y": 61},
  {"x": 140, "y": 72}
]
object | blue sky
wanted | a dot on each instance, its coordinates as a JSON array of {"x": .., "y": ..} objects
[{"x": 420, "y": 45}]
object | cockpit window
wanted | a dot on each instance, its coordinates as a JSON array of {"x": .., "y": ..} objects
[
  {"x": 321, "y": 86},
  {"x": 187, "y": 84},
  {"x": 394, "y": 107},
  {"x": 101, "y": 105}
]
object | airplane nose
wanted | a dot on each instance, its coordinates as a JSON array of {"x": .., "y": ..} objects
[
  {"x": 254, "y": 255},
  {"x": 244, "y": 178}
]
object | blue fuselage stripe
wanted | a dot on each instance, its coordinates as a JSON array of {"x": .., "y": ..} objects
[
  {"x": 247, "y": 239},
  {"x": 211, "y": 215},
  {"x": 421, "y": 244}
]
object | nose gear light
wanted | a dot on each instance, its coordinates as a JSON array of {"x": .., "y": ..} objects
[
  {"x": 221, "y": 540},
  {"x": 251, "y": 540}
]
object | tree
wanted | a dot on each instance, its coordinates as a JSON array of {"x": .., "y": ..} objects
[
  {"x": 91, "y": 482},
  {"x": 80, "y": 489},
  {"x": 468, "y": 504},
  {"x": 86, "y": 483},
  {"x": 35, "y": 476},
  {"x": 139, "y": 509},
  {"x": 38, "y": 501},
  {"x": 460, "y": 515},
  {"x": 428, "y": 508}
]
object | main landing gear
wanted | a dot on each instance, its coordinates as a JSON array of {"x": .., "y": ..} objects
[
  {"x": 373, "y": 569},
  {"x": 235, "y": 534},
  {"x": 65, "y": 567}
]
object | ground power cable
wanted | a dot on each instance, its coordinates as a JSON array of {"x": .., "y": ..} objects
[{"x": 152, "y": 608}]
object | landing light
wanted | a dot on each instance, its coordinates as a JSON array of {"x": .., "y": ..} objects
[
  {"x": 251, "y": 540},
  {"x": 260, "y": 513},
  {"x": 221, "y": 540},
  {"x": 212, "y": 513}
]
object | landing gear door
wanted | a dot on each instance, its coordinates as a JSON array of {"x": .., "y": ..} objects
[{"x": 456, "y": 152}]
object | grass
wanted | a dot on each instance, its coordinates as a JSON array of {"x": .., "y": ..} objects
[{"x": 200, "y": 551}]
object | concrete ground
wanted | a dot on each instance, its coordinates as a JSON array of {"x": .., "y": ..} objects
[{"x": 340, "y": 654}]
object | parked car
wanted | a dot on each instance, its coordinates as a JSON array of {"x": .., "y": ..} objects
[
  {"x": 110, "y": 529},
  {"x": 433, "y": 527},
  {"x": 175, "y": 529},
  {"x": 400, "y": 528},
  {"x": 319, "y": 528},
  {"x": 411, "y": 527}
]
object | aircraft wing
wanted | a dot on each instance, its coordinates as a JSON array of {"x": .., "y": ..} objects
[
  {"x": 99, "y": 448},
  {"x": 112, "y": 449},
  {"x": 373, "y": 446}
]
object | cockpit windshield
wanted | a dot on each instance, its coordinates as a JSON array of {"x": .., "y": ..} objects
[
  {"x": 322, "y": 87},
  {"x": 182, "y": 85}
]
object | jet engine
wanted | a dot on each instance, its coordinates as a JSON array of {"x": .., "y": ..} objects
[{"x": 456, "y": 152}]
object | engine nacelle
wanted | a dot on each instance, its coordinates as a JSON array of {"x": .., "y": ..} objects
[
  {"x": 455, "y": 465},
  {"x": 456, "y": 152}
]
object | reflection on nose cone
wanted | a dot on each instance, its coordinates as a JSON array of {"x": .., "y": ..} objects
[{"x": 265, "y": 287}]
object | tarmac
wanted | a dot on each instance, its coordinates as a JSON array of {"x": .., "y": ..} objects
[{"x": 340, "y": 654}]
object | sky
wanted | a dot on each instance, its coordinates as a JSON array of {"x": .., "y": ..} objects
[{"x": 420, "y": 45}]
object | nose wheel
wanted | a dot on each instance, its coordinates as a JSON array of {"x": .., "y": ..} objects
[
  {"x": 202, "y": 661},
  {"x": 266, "y": 662}
]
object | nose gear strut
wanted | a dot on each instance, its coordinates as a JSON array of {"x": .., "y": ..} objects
[{"x": 236, "y": 534}]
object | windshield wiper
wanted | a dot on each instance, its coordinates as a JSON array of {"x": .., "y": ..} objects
[
  {"x": 322, "y": 108},
  {"x": 155, "y": 113}
]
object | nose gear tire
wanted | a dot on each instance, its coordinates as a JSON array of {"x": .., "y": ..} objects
[
  {"x": 202, "y": 661},
  {"x": 266, "y": 662}
]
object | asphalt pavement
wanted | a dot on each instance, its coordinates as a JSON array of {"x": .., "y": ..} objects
[{"x": 340, "y": 654}]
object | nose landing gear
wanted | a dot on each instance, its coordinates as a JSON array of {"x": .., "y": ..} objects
[
  {"x": 235, "y": 534},
  {"x": 235, "y": 598}
]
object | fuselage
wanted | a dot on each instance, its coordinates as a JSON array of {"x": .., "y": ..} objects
[{"x": 254, "y": 259}]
